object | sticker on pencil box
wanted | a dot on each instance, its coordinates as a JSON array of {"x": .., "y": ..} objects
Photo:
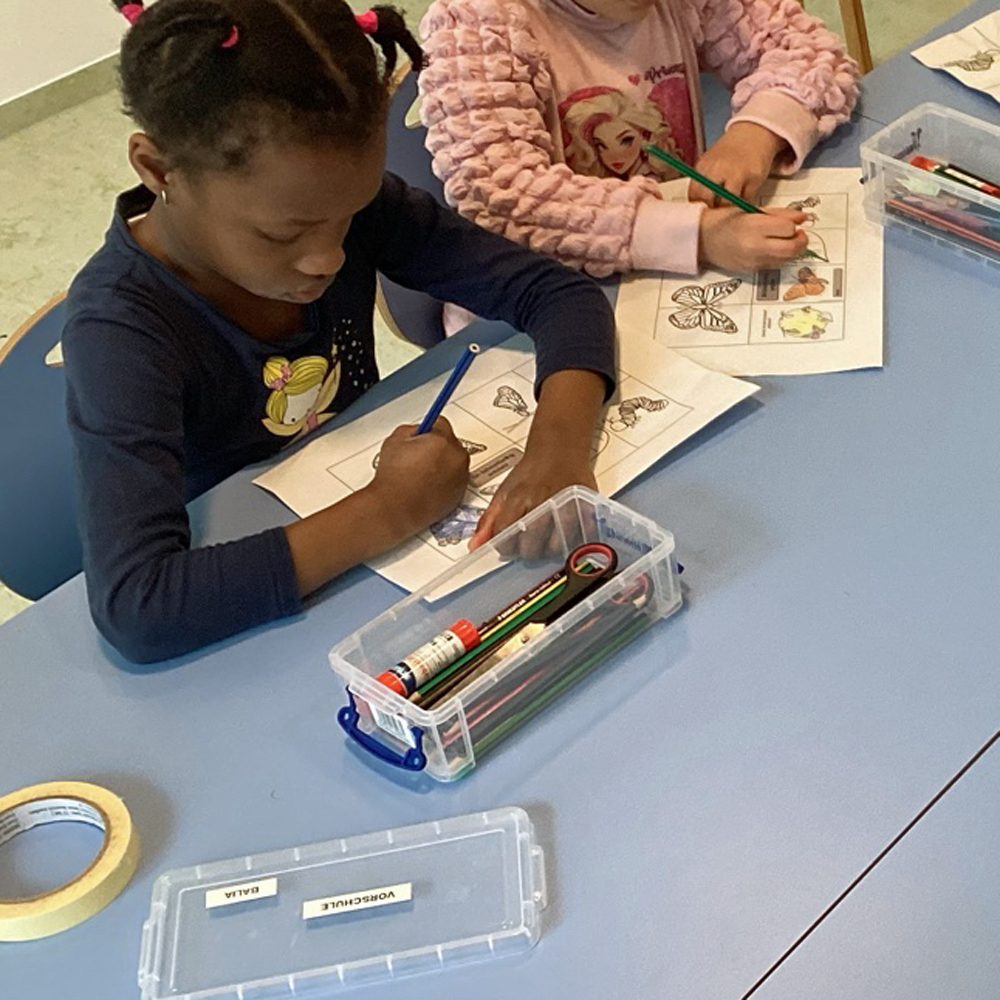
[
  {"x": 394, "y": 725},
  {"x": 364, "y": 899},
  {"x": 229, "y": 894}
]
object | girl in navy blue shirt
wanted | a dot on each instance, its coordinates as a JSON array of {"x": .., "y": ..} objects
[{"x": 229, "y": 311}]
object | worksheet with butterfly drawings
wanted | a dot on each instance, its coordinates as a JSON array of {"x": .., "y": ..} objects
[
  {"x": 661, "y": 400},
  {"x": 971, "y": 56},
  {"x": 808, "y": 317}
]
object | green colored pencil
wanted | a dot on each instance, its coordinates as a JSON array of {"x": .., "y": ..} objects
[
  {"x": 733, "y": 199},
  {"x": 420, "y": 696},
  {"x": 519, "y": 715}
]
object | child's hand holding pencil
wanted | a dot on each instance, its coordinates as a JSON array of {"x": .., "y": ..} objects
[
  {"x": 762, "y": 239},
  {"x": 733, "y": 240},
  {"x": 420, "y": 477}
]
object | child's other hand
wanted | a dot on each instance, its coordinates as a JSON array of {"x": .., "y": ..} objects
[
  {"x": 734, "y": 240},
  {"x": 741, "y": 160},
  {"x": 534, "y": 479},
  {"x": 420, "y": 477}
]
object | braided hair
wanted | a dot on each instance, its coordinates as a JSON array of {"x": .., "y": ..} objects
[{"x": 208, "y": 80}]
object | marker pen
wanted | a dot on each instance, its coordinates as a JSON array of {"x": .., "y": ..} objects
[
  {"x": 453, "y": 643},
  {"x": 957, "y": 174},
  {"x": 430, "y": 658}
]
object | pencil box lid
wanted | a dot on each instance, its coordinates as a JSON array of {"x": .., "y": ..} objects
[{"x": 315, "y": 920}]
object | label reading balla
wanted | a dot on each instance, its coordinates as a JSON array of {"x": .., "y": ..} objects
[
  {"x": 230, "y": 894},
  {"x": 394, "y": 725},
  {"x": 363, "y": 900}
]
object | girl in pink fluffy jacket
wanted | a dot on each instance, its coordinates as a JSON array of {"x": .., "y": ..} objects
[{"x": 537, "y": 112}]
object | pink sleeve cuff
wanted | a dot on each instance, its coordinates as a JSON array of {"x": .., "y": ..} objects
[
  {"x": 785, "y": 117},
  {"x": 665, "y": 236}
]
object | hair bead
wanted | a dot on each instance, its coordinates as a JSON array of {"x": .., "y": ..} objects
[
  {"x": 131, "y": 11},
  {"x": 367, "y": 22}
]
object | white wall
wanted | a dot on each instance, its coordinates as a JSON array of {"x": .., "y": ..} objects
[{"x": 43, "y": 40}]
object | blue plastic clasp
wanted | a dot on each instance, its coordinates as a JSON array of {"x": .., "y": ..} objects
[{"x": 413, "y": 760}]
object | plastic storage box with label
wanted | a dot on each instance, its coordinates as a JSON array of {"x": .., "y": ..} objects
[
  {"x": 312, "y": 921},
  {"x": 931, "y": 203},
  {"x": 448, "y": 738}
]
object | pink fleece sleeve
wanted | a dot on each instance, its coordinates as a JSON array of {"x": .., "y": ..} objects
[
  {"x": 787, "y": 71},
  {"x": 485, "y": 95}
]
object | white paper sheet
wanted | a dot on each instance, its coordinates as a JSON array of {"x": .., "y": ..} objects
[
  {"x": 491, "y": 412},
  {"x": 971, "y": 56},
  {"x": 806, "y": 318}
]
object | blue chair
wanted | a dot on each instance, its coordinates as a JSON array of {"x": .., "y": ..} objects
[
  {"x": 39, "y": 538},
  {"x": 412, "y": 315}
]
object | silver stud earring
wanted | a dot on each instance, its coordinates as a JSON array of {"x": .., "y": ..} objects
[{"x": 163, "y": 192}]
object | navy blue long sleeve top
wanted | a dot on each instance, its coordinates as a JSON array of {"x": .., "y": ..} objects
[{"x": 166, "y": 397}]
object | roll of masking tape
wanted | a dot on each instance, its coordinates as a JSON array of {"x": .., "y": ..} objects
[{"x": 70, "y": 904}]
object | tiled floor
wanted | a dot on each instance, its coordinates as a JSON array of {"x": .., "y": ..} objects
[{"x": 58, "y": 179}]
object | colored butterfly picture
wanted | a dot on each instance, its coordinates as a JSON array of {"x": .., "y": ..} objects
[
  {"x": 457, "y": 526},
  {"x": 699, "y": 306},
  {"x": 807, "y": 283}
]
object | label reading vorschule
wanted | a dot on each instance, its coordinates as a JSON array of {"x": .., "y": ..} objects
[
  {"x": 230, "y": 894},
  {"x": 362, "y": 900}
]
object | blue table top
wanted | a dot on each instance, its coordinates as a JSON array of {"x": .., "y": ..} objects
[{"x": 707, "y": 794}]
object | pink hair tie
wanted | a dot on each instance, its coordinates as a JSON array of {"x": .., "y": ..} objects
[
  {"x": 367, "y": 22},
  {"x": 234, "y": 37},
  {"x": 131, "y": 12}
]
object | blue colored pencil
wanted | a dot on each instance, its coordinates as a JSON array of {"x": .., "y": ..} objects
[{"x": 448, "y": 388}]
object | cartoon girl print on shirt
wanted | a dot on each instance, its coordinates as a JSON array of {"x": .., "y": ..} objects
[
  {"x": 300, "y": 391},
  {"x": 604, "y": 129},
  {"x": 603, "y": 134}
]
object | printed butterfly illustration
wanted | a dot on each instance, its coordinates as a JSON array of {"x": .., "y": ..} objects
[
  {"x": 508, "y": 398},
  {"x": 979, "y": 62},
  {"x": 698, "y": 305},
  {"x": 807, "y": 284}
]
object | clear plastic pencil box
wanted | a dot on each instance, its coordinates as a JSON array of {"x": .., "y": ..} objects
[
  {"x": 446, "y": 740},
  {"x": 909, "y": 198},
  {"x": 310, "y": 922}
]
